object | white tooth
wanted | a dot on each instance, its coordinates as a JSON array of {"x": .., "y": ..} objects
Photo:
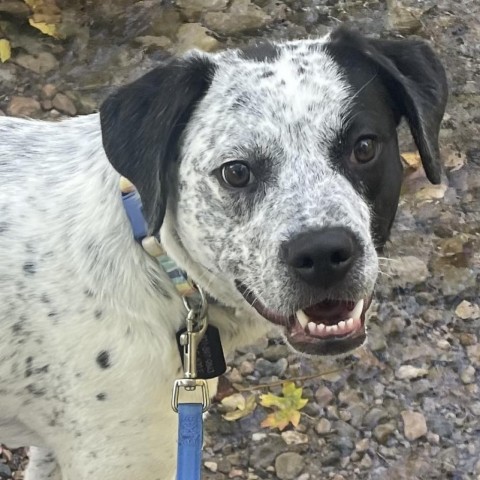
[
  {"x": 350, "y": 323},
  {"x": 341, "y": 325},
  {"x": 331, "y": 329},
  {"x": 357, "y": 311},
  {"x": 302, "y": 318},
  {"x": 312, "y": 327},
  {"x": 321, "y": 327}
]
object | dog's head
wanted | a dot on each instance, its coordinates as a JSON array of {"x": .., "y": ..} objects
[{"x": 274, "y": 172}]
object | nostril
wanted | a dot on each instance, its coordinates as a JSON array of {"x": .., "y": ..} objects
[
  {"x": 340, "y": 256},
  {"x": 304, "y": 262}
]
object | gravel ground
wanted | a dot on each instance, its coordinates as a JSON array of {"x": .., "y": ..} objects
[{"x": 409, "y": 406}]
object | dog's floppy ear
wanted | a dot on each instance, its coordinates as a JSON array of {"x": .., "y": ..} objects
[
  {"x": 417, "y": 84},
  {"x": 142, "y": 122}
]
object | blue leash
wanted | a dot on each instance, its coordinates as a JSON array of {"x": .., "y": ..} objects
[
  {"x": 190, "y": 439},
  {"x": 190, "y": 415}
]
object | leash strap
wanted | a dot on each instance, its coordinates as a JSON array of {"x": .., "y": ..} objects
[
  {"x": 190, "y": 439},
  {"x": 190, "y": 415}
]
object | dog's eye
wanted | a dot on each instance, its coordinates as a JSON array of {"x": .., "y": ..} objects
[
  {"x": 236, "y": 174},
  {"x": 365, "y": 149}
]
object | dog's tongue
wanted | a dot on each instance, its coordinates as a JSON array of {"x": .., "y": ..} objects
[{"x": 329, "y": 312}]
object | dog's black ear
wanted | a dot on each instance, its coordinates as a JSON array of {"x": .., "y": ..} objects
[
  {"x": 142, "y": 122},
  {"x": 417, "y": 84}
]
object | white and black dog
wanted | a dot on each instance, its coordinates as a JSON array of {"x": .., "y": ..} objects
[{"x": 273, "y": 176}]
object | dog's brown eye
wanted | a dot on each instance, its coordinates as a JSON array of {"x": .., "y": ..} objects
[
  {"x": 236, "y": 174},
  {"x": 365, "y": 149}
]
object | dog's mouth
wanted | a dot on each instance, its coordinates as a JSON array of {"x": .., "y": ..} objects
[{"x": 330, "y": 327}]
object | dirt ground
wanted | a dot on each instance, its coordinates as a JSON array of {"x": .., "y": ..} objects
[{"x": 409, "y": 407}]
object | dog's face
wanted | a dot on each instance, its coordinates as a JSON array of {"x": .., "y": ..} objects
[{"x": 283, "y": 172}]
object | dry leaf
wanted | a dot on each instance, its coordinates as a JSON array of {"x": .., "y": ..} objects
[
  {"x": 455, "y": 160},
  {"x": 287, "y": 406},
  {"x": 412, "y": 159},
  {"x": 5, "y": 50},
  {"x": 245, "y": 408},
  {"x": 46, "y": 16},
  {"x": 45, "y": 28}
]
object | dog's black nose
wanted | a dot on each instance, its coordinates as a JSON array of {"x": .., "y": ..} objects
[{"x": 322, "y": 258}]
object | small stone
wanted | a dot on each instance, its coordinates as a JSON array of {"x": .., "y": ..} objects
[
  {"x": 46, "y": 104},
  {"x": 374, "y": 416},
  {"x": 23, "y": 107},
  {"x": 153, "y": 42},
  {"x": 236, "y": 472},
  {"x": 258, "y": 437},
  {"x": 443, "y": 344},
  {"x": 407, "y": 270},
  {"x": 467, "y": 339},
  {"x": 323, "y": 426},
  {"x": 468, "y": 375},
  {"x": 383, "y": 432},
  {"x": 242, "y": 15},
  {"x": 40, "y": 63},
  {"x": 48, "y": 91},
  {"x": 275, "y": 352},
  {"x": 323, "y": 396},
  {"x": 415, "y": 425},
  {"x": 269, "y": 369},
  {"x": 193, "y": 9},
  {"x": 63, "y": 104},
  {"x": 246, "y": 368},
  {"x": 362, "y": 445},
  {"x": 289, "y": 465},
  {"x": 212, "y": 466},
  {"x": 194, "y": 35},
  {"x": 473, "y": 352},
  {"x": 291, "y": 437},
  {"x": 14, "y": 7},
  {"x": 409, "y": 372},
  {"x": 366, "y": 462},
  {"x": 5, "y": 471},
  {"x": 467, "y": 311},
  {"x": 402, "y": 19}
]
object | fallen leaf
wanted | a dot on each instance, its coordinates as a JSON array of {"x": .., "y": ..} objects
[
  {"x": 454, "y": 160},
  {"x": 287, "y": 406},
  {"x": 412, "y": 159},
  {"x": 5, "y": 50},
  {"x": 245, "y": 408},
  {"x": 45, "y": 28}
]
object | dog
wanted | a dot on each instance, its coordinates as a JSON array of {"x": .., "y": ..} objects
[{"x": 271, "y": 175}]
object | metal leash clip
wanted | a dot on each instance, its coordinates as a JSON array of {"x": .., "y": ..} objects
[{"x": 196, "y": 327}]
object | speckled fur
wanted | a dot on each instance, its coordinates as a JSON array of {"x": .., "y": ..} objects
[{"x": 88, "y": 320}]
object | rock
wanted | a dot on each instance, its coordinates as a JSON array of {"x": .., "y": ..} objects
[
  {"x": 414, "y": 425},
  {"x": 164, "y": 22},
  {"x": 402, "y": 19},
  {"x": 242, "y": 15},
  {"x": 263, "y": 456},
  {"x": 407, "y": 270},
  {"x": 46, "y": 104},
  {"x": 246, "y": 368},
  {"x": 362, "y": 445},
  {"x": 468, "y": 375},
  {"x": 193, "y": 35},
  {"x": 467, "y": 311},
  {"x": 63, "y": 104},
  {"x": 276, "y": 352},
  {"x": 152, "y": 42},
  {"x": 366, "y": 462},
  {"x": 212, "y": 466},
  {"x": 193, "y": 9},
  {"x": 323, "y": 396},
  {"x": 14, "y": 7},
  {"x": 2, "y": 114},
  {"x": 291, "y": 437},
  {"x": 383, "y": 432},
  {"x": 323, "y": 426},
  {"x": 269, "y": 369},
  {"x": 48, "y": 91},
  {"x": 40, "y": 63},
  {"x": 409, "y": 372},
  {"x": 473, "y": 352},
  {"x": 376, "y": 338},
  {"x": 23, "y": 107},
  {"x": 289, "y": 465},
  {"x": 5, "y": 471},
  {"x": 374, "y": 416}
]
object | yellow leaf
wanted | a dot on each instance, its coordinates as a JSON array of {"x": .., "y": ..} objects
[
  {"x": 5, "y": 50},
  {"x": 412, "y": 159},
  {"x": 287, "y": 406},
  {"x": 45, "y": 28}
]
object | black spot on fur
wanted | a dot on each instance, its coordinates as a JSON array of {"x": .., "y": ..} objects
[
  {"x": 28, "y": 367},
  {"x": 261, "y": 52},
  {"x": 3, "y": 227},
  {"x": 103, "y": 359},
  {"x": 101, "y": 397},
  {"x": 34, "y": 390},
  {"x": 267, "y": 74},
  {"x": 44, "y": 298},
  {"x": 29, "y": 268},
  {"x": 98, "y": 314}
]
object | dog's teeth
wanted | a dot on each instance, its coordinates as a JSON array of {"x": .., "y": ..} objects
[
  {"x": 357, "y": 311},
  {"x": 302, "y": 318},
  {"x": 331, "y": 329},
  {"x": 341, "y": 325},
  {"x": 350, "y": 322},
  {"x": 312, "y": 327}
]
